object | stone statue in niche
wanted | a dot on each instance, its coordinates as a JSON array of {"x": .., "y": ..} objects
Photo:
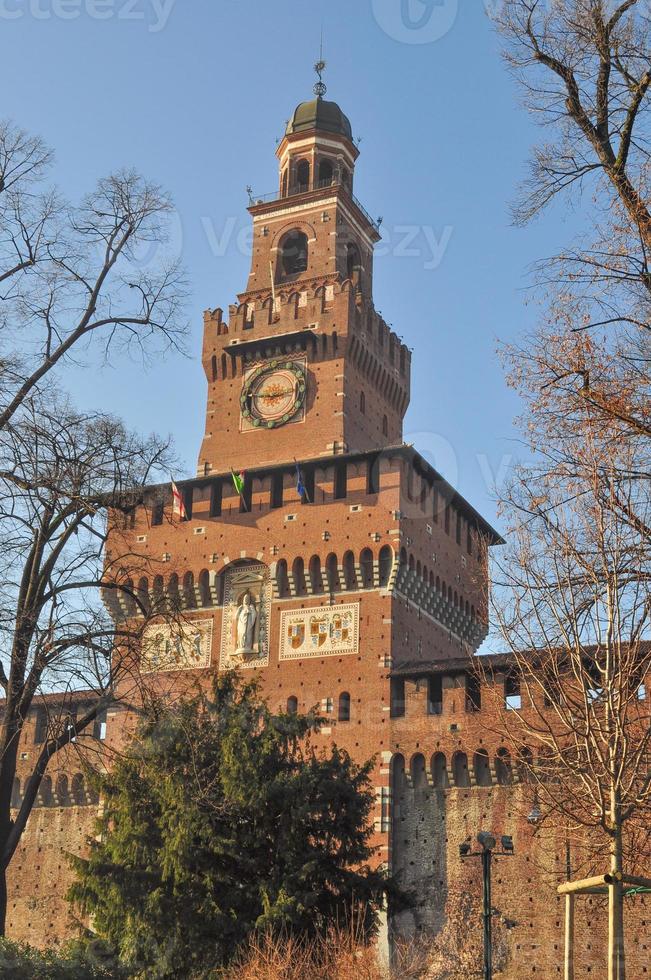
[{"x": 245, "y": 622}]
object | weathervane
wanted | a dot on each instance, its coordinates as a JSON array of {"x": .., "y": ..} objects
[{"x": 320, "y": 88}]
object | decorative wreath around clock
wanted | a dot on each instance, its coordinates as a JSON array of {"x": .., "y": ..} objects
[{"x": 273, "y": 394}]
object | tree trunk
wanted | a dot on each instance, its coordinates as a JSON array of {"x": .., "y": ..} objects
[
  {"x": 635, "y": 206},
  {"x": 616, "y": 956},
  {"x": 3, "y": 900}
]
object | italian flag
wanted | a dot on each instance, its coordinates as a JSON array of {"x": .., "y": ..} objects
[{"x": 238, "y": 481}]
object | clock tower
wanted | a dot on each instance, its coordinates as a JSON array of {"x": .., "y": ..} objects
[
  {"x": 316, "y": 550},
  {"x": 305, "y": 367}
]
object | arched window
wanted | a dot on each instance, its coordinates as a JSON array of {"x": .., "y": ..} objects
[
  {"x": 77, "y": 790},
  {"x": 298, "y": 574},
  {"x": 482, "y": 768},
  {"x": 326, "y": 173},
  {"x": 385, "y": 563},
  {"x": 204, "y": 588},
  {"x": 460, "y": 769},
  {"x": 332, "y": 573},
  {"x": 173, "y": 592},
  {"x": 353, "y": 264},
  {"x": 45, "y": 791},
  {"x": 128, "y": 593},
  {"x": 158, "y": 587},
  {"x": 344, "y": 706},
  {"x": 143, "y": 595},
  {"x": 303, "y": 175},
  {"x": 525, "y": 765},
  {"x": 418, "y": 773},
  {"x": 15, "y": 793},
  {"x": 292, "y": 705},
  {"x": 366, "y": 568},
  {"x": 503, "y": 767},
  {"x": 362, "y": 403},
  {"x": 350, "y": 575},
  {"x": 293, "y": 254},
  {"x": 63, "y": 795},
  {"x": 398, "y": 774},
  {"x": 188, "y": 590},
  {"x": 385, "y": 426},
  {"x": 316, "y": 576},
  {"x": 282, "y": 581},
  {"x": 440, "y": 771}
]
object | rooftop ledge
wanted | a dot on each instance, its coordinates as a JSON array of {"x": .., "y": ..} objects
[{"x": 260, "y": 203}]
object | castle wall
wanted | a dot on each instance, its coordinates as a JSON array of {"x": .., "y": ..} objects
[
  {"x": 40, "y": 874},
  {"x": 451, "y": 777}
]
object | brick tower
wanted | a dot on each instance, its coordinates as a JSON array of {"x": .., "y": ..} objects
[
  {"x": 379, "y": 568},
  {"x": 348, "y": 595}
]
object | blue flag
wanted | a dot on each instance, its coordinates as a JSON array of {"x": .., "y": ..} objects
[{"x": 300, "y": 486}]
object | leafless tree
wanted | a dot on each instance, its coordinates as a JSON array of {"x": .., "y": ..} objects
[
  {"x": 584, "y": 67},
  {"x": 575, "y": 598},
  {"x": 67, "y": 480},
  {"x": 573, "y": 607},
  {"x": 73, "y": 273}
]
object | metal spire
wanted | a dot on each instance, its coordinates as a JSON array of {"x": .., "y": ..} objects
[{"x": 320, "y": 88}]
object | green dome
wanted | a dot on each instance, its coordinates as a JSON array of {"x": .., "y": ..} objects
[{"x": 319, "y": 114}]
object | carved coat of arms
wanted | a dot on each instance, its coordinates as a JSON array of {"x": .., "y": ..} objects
[{"x": 321, "y": 631}]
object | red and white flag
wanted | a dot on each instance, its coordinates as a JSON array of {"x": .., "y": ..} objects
[{"x": 178, "y": 508}]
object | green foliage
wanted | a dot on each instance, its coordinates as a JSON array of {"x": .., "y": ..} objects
[
  {"x": 73, "y": 962},
  {"x": 220, "y": 820}
]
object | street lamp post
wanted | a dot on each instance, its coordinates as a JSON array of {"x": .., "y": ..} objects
[{"x": 488, "y": 844}]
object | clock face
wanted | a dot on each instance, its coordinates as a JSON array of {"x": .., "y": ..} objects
[{"x": 273, "y": 394}]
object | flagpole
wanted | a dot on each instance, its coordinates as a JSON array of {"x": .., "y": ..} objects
[{"x": 273, "y": 289}]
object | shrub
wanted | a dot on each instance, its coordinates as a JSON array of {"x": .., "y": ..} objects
[{"x": 73, "y": 962}]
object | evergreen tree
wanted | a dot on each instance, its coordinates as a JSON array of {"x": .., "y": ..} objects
[{"x": 221, "y": 819}]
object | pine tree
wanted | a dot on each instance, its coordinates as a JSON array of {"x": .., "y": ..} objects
[{"x": 222, "y": 819}]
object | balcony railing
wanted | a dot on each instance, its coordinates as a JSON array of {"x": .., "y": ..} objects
[{"x": 297, "y": 189}]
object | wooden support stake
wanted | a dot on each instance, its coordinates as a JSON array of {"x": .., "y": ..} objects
[
  {"x": 572, "y": 887},
  {"x": 568, "y": 973}
]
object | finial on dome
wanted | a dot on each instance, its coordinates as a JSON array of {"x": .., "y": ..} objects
[{"x": 320, "y": 88}]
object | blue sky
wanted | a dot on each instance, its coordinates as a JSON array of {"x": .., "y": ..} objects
[{"x": 195, "y": 93}]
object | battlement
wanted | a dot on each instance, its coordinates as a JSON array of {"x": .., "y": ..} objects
[{"x": 301, "y": 318}]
